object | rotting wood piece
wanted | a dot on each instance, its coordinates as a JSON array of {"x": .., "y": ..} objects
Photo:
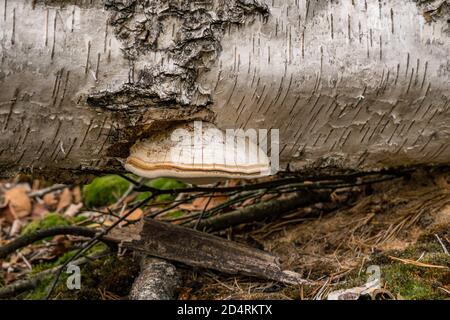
[{"x": 197, "y": 249}]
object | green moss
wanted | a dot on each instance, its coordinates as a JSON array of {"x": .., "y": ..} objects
[
  {"x": 142, "y": 196},
  {"x": 112, "y": 275},
  {"x": 411, "y": 282},
  {"x": 107, "y": 190},
  {"x": 175, "y": 214},
  {"x": 42, "y": 288},
  {"x": 40, "y": 292},
  {"x": 49, "y": 221},
  {"x": 104, "y": 190},
  {"x": 79, "y": 220},
  {"x": 161, "y": 184},
  {"x": 166, "y": 184}
]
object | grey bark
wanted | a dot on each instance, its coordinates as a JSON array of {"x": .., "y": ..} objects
[
  {"x": 162, "y": 240},
  {"x": 357, "y": 84},
  {"x": 158, "y": 280}
]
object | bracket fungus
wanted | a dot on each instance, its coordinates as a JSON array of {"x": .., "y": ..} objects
[{"x": 199, "y": 153}]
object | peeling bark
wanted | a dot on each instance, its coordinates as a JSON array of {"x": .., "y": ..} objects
[{"x": 350, "y": 84}]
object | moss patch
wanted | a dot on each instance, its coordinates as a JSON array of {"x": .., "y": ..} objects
[
  {"x": 104, "y": 191},
  {"x": 165, "y": 184},
  {"x": 49, "y": 221},
  {"x": 108, "y": 278},
  {"x": 409, "y": 281}
]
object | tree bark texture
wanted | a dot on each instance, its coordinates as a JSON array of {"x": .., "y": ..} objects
[
  {"x": 158, "y": 280},
  {"x": 351, "y": 84}
]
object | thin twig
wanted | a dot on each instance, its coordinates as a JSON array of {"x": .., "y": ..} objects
[
  {"x": 442, "y": 244},
  {"x": 28, "y": 239},
  {"x": 200, "y": 217},
  {"x": 43, "y": 192}
]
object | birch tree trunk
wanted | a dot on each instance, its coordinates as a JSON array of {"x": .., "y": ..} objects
[{"x": 350, "y": 84}]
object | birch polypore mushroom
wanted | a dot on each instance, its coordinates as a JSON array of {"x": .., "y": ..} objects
[{"x": 199, "y": 153}]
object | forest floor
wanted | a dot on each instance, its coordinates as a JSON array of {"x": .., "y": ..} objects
[{"x": 396, "y": 233}]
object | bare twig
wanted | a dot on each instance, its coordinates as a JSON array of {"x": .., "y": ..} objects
[
  {"x": 311, "y": 183},
  {"x": 42, "y": 234},
  {"x": 261, "y": 211},
  {"x": 43, "y": 192},
  {"x": 442, "y": 245}
]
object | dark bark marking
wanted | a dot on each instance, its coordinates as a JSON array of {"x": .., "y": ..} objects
[
  {"x": 86, "y": 67},
  {"x": 11, "y": 108},
  {"x": 57, "y": 131},
  {"x": 13, "y": 36},
  {"x": 5, "y": 8},
  {"x": 54, "y": 35},
  {"x": 196, "y": 46}
]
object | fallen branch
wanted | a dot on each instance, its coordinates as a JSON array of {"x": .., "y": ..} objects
[
  {"x": 198, "y": 249},
  {"x": 261, "y": 211},
  {"x": 42, "y": 234}
]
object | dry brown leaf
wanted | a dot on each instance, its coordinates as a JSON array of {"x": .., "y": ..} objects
[
  {"x": 199, "y": 204},
  {"x": 76, "y": 192},
  {"x": 18, "y": 201},
  {"x": 135, "y": 215},
  {"x": 232, "y": 183},
  {"x": 50, "y": 200},
  {"x": 65, "y": 199},
  {"x": 7, "y": 214}
]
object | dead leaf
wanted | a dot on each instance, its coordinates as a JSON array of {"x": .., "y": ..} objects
[
  {"x": 76, "y": 193},
  {"x": 73, "y": 209},
  {"x": 136, "y": 215},
  {"x": 50, "y": 200},
  {"x": 65, "y": 199},
  {"x": 18, "y": 202},
  {"x": 199, "y": 204}
]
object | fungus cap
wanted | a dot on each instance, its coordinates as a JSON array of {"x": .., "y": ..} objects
[{"x": 198, "y": 153}]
